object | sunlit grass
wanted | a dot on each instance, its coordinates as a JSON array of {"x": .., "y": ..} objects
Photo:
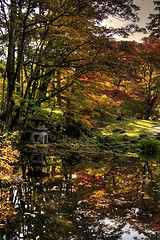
[{"x": 130, "y": 127}]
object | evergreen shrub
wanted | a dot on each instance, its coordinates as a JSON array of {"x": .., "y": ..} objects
[{"x": 150, "y": 146}]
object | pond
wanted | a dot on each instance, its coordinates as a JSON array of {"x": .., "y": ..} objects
[{"x": 80, "y": 198}]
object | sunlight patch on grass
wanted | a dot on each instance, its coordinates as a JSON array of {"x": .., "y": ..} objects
[
  {"x": 131, "y": 127},
  {"x": 145, "y": 123},
  {"x": 139, "y": 127}
]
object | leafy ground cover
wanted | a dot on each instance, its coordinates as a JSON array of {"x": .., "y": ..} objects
[{"x": 9, "y": 155}]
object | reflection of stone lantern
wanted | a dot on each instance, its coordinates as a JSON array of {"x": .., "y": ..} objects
[{"x": 40, "y": 135}]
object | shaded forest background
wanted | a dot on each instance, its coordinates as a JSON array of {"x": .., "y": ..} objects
[{"x": 58, "y": 56}]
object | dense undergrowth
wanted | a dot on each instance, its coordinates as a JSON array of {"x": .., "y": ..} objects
[{"x": 9, "y": 155}]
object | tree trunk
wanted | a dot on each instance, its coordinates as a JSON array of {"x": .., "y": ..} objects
[
  {"x": 58, "y": 78},
  {"x": 11, "y": 65},
  {"x": 150, "y": 106}
]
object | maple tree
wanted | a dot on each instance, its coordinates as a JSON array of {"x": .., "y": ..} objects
[
  {"x": 138, "y": 76},
  {"x": 148, "y": 78}
]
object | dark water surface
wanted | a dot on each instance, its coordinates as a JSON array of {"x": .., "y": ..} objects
[{"x": 108, "y": 197}]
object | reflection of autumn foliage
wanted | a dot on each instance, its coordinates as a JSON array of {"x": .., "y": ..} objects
[
  {"x": 89, "y": 180},
  {"x": 126, "y": 191},
  {"x": 6, "y": 210},
  {"x": 8, "y": 157},
  {"x": 85, "y": 195}
]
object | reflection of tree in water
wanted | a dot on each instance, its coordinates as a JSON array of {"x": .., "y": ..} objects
[
  {"x": 33, "y": 165},
  {"x": 60, "y": 206},
  {"x": 39, "y": 214},
  {"x": 147, "y": 193},
  {"x": 44, "y": 208}
]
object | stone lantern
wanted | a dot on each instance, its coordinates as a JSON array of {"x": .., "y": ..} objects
[{"x": 40, "y": 135}]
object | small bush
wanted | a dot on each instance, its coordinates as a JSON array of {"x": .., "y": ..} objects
[
  {"x": 64, "y": 143},
  {"x": 150, "y": 146}
]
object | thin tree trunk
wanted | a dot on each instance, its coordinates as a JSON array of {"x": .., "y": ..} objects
[
  {"x": 3, "y": 92},
  {"x": 10, "y": 66}
]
